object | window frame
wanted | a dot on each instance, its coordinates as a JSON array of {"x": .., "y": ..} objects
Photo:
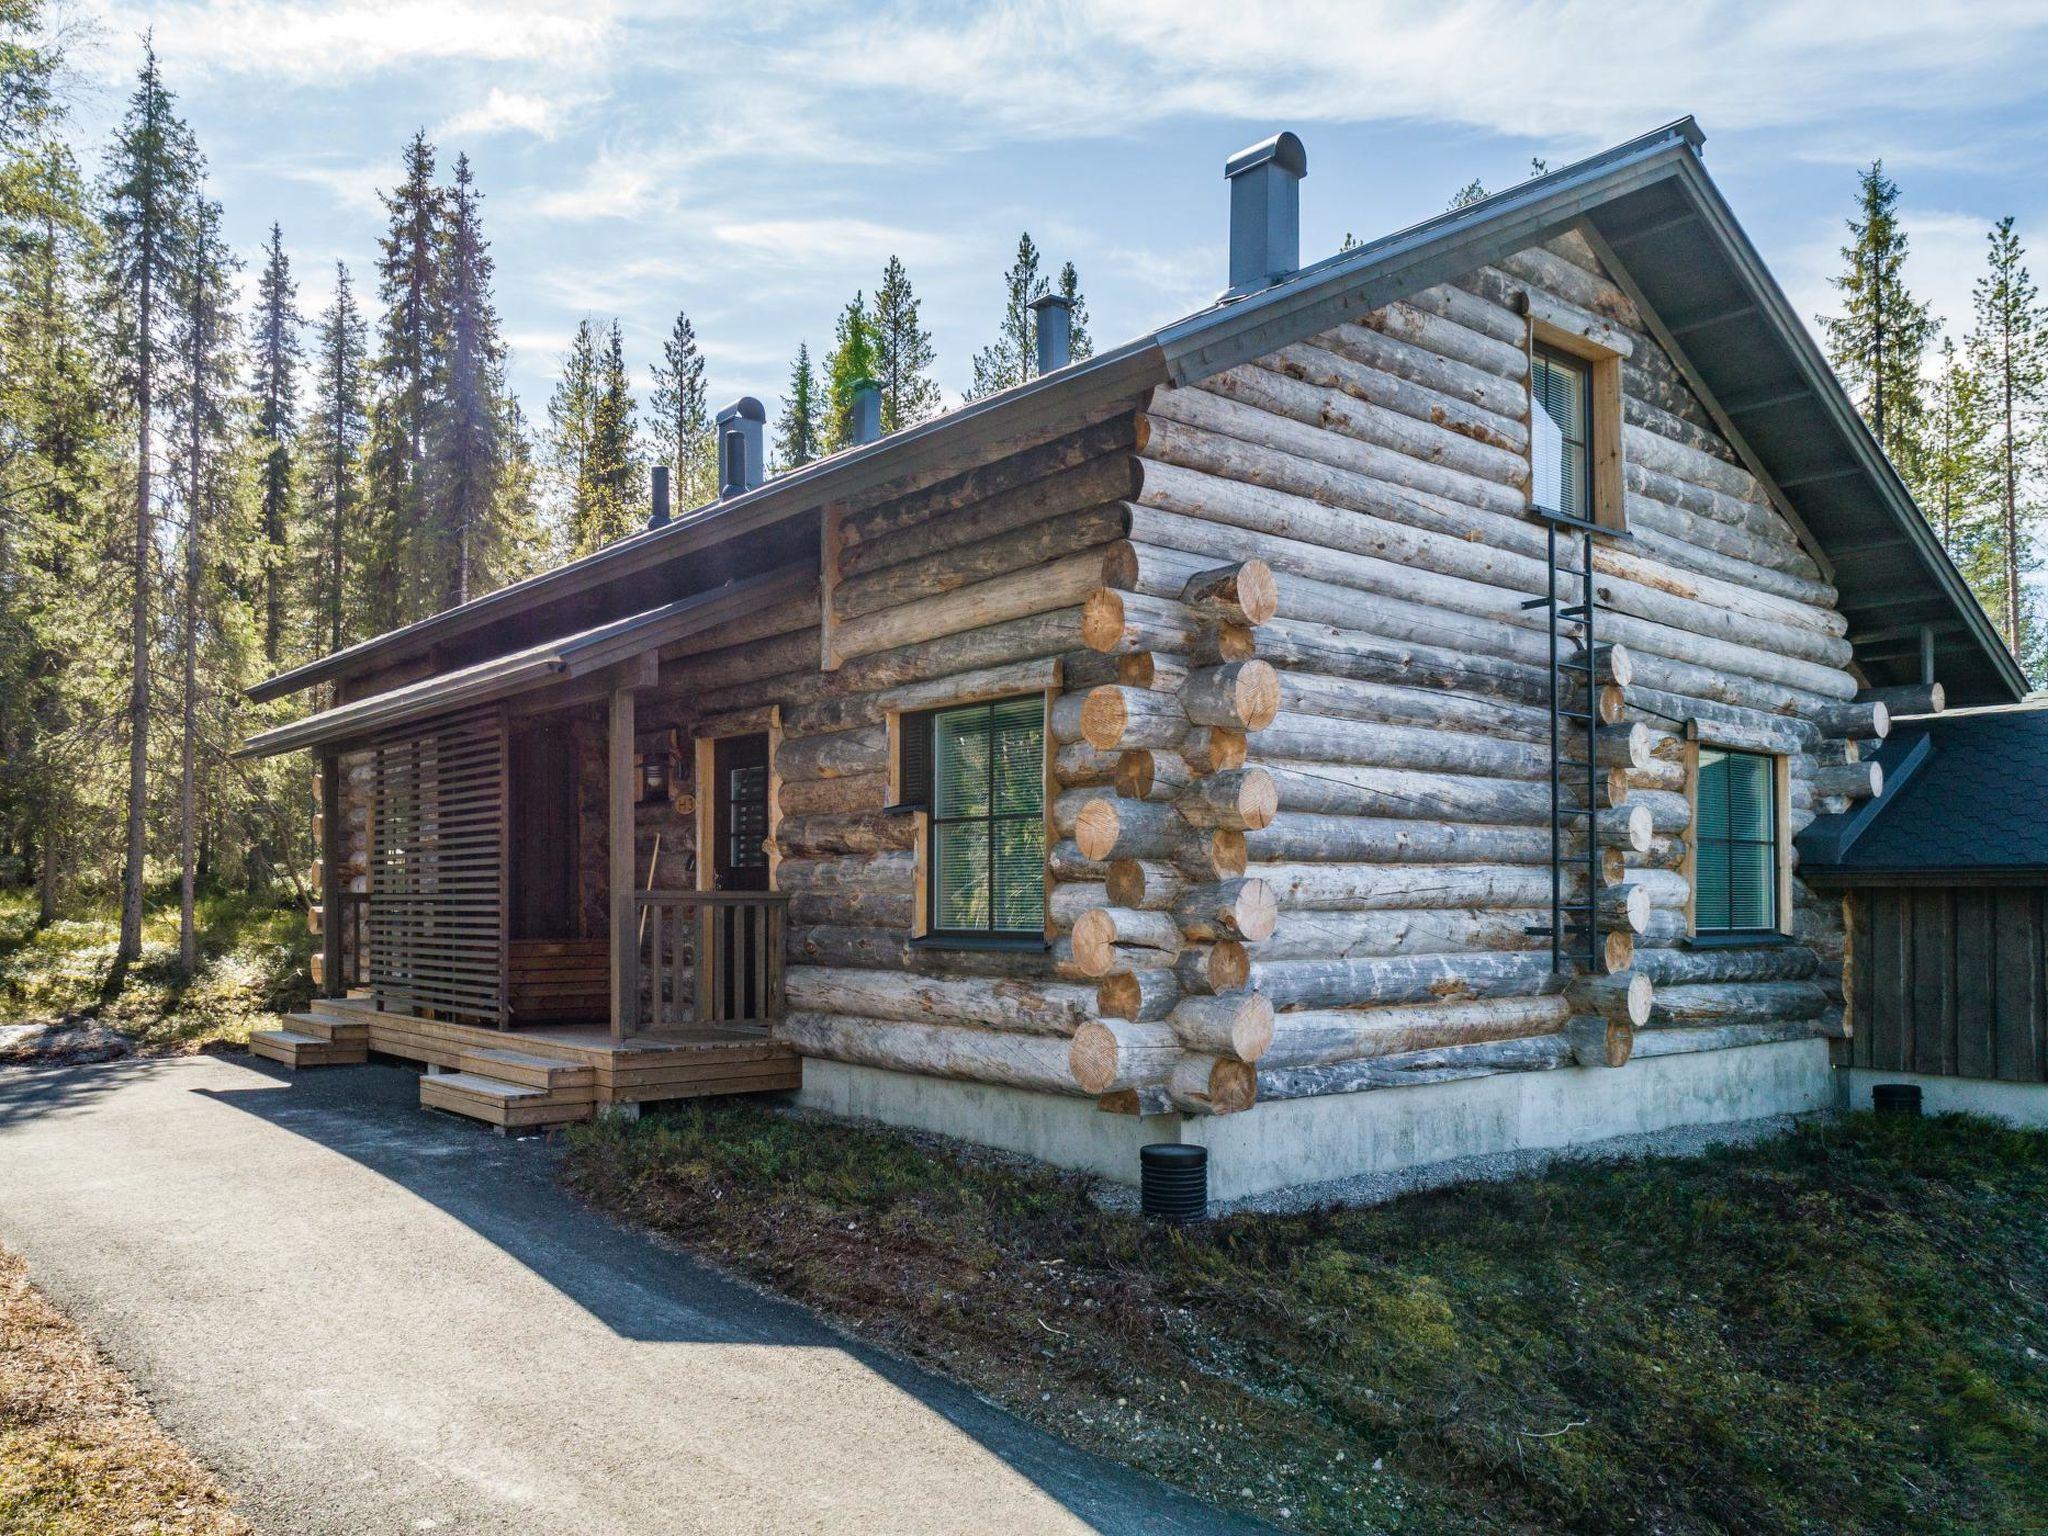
[
  {"x": 705, "y": 736},
  {"x": 1606, "y": 494},
  {"x": 1780, "y": 925},
  {"x": 906, "y": 725}
]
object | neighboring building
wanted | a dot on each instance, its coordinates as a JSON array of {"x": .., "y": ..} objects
[
  {"x": 1196, "y": 740},
  {"x": 1944, "y": 882}
]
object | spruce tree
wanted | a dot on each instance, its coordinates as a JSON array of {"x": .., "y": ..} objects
[
  {"x": 1877, "y": 342},
  {"x": 797, "y": 428},
  {"x": 903, "y": 353},
  {"x": 852, "y": 359},
  {"x": 464, "y": 545},
  {"x": 571, "y": 413},
  {"x": 1470, "y": 193},
  {"x": 1080, "y": 343},
  {"x": 1955, "y": 490},
  {"x": 204, "y": 382},
  {"x": 680, "y": 433},
  {"x": 278, "y": 357},
  {"x": 151, "y": 175},
  {"x": 410, "y": 340},
  {"x": 1011, "y": 359},
  {"x": 339, "y": 429},
  {"x": 591, "y": 437},
  {"x": 2009, "y": 352}
]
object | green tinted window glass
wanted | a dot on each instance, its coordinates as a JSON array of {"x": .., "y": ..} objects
[
  {"x": 987, "y": 853},
  {"x": 1735, "y": 862}
]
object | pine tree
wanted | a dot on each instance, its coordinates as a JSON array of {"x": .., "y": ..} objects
[
  {"x": 1877, "y": 342},
  {"x": 204, "y": 380},
  {"x": 1956, "y": 470},
  {"x": 151, "y": 174},
  {"x": 465, "y": 449},
  {"x": 852, "y": 359},
  {"x": 591, "y": 441},
  {"x": 2009, "y": 352},
  {"x": 1011, "y": 359},
  {"x": 680, "y": 433},
  {"x": 410, "y": 341},
  {"x": 796, "y": 429},
  {"x": 1080, "y": 344},
  {"x": 343, "y": 429},
  {"x": 903, "y": 353},
  {"x": 340, "y": 427},
  {"x": 615, "y": 451},
  {"x": 278, "y": 357},
  {"x": 1470, "y": 193}
]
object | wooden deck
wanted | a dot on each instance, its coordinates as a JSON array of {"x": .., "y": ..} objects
[{"x": 548, "y": 1075}]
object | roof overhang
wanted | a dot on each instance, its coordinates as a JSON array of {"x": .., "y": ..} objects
[{"x": 562, "y": 660}]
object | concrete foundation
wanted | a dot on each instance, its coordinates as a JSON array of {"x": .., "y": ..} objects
[
  {"x": 2019, "y": 1103},
  {"x": 1300, "y": 1141}
]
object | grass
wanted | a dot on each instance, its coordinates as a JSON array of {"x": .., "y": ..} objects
[
  {"x": 80, "y": 1454},
  {"x": 253, "y": 962},
  {"x": 1841, "y": 1330}
]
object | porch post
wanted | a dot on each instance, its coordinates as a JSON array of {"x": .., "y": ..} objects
[
  {"x": 333, "y": 983},
  {"x": 623, "y": 794}
]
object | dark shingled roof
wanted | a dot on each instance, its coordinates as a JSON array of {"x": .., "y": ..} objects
[{"x": 1965, "y": 800}]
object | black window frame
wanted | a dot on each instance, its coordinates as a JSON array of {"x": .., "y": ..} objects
[
  {"x": 1556, "y": 358},
  {"x": 917, "y": 791},
  {"x": 1773, "y": 841}
]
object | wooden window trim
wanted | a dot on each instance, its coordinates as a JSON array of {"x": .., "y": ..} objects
[
  {"x": 1610, "y": 506},
  {"x": 1041, "y": 677},
  {"x": 1781, "y": 782}
]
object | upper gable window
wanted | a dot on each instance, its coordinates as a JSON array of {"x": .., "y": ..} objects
[{"x": 1561, "y": 392}]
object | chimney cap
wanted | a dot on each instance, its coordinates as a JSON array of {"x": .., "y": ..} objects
[
  {"x": 1050, "y": 300},
  {"x": 1283, "y": 150},
  {"x": 747, "y": 407}
]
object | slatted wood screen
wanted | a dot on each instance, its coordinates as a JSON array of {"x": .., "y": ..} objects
[{"x": 437, "y": 867}]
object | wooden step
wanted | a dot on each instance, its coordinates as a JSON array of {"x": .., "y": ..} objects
[
  {"x": 325, "y": 1026},
  {"x": 549, "y": 1073},
  {"x": 510, "y": 1106},
  {"x": 295, "y": 1049}
]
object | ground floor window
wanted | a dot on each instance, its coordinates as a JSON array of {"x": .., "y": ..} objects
[
  {"x": 1735, "y": 829},
  {"x": 979, "y": 771}
]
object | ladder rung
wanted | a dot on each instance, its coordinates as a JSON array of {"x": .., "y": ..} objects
[{"x": 1537, "y": 602}]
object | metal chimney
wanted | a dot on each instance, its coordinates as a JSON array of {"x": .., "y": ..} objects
[
  {"x": 658, "y": 518},
  {"x": 1265, "y": 213},
  {"x": 741, "y": 465},
  {"x": 867, "y": 411},
  {"x": 1055, "y": 317}
]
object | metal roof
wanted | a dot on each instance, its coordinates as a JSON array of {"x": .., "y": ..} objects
[
  {"x": 1647, "y": 205},
  {"x": 503, "y": 677},
  {"x": 1963, "y": 803}
]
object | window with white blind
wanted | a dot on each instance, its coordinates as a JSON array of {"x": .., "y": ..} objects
[
  {"x": 979, "y": 772},
  {"x": 1735, "y": 831},
  {"x": 1561, "y": 448}
]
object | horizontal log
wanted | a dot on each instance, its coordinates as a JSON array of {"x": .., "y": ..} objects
[
  {"x": 1213, "y": 749},
  {"x": 823, "y": 836},
  {"x": 1145, "y": 774},
  {"x": 836, "y": 796},
  {"x": 1535, "y": 1053},
  {"x": 1100, "y": 932},
  {"x": 1238, "y": 695},
  {"x": 1310, "y": 887},
  {"x": 1152, "y": 884},
  {"x": 1737, "y": 1002},
  {"x": 1209, "y": 856},
  {"x": 1324, "y": 1037},
  {"x": 1598, "y": 1042},
  {"x": 1039, "y": 1008},
  {"x": 1236, "y": 1024},
  {"x": 1204, "y": 969},
  {"x": 1111, "y": 828},
  {"x": 1865, "y": 720},
  {"x": 1236, "y": 798},
  {"x": 1911, "y": 699},
  {"x": 1241, "y": 593},
  {"x": 1722, "y": 1037},
  {"x": 1319, "y": 935},
  {"x": 1363, "y": 980},
  {"x": 1242, "y": 909},
  {"x": 934, "y": 1050},
  {"x": 962, "y": 565},
  {"x": 1304, "y": 837},
  {"x": 1125, "y": 622},
  {"x": 1212, "y": 1085},
  {"x": 1774, "y": 962},
  {"x": 1856, "y": 781},
  {"x": 1627, "y": 998},
  {"x": 1058, "y": 584},
  {"x": 1108, "y": 1055},
  {"x": 1142, "y": 995}
]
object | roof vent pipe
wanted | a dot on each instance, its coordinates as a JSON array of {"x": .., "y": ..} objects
[
  {"x": 1265, "y": 213},
  {"x": 866, "y": 411},
  {"x": 1055, "y": 327},
  {"x": 658, "y": 518},
  {"x": 741, "y": 466}
]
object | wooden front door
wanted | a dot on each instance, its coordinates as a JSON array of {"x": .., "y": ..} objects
[{"x": 739, "y": 813}]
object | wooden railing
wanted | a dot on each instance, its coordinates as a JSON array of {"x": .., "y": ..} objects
[{"x": 709, "y": 958}]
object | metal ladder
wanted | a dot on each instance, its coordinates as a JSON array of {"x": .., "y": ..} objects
[{"x": 1574, "y": 928}]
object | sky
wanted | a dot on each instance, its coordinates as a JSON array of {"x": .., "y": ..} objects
[{"x": 756, "y": 164}]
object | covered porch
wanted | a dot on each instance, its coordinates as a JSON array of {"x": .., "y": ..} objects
[{"x": 505, "y": 896}]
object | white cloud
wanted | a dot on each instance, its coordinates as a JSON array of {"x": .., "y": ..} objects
[
  {"x": 802, "y": 243},
  {"x": 503, "y": 111},
  {"x": 306, "y": 41}
]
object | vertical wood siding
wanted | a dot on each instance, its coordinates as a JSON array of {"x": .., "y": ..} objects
[{"x": 1948, "y": 980}]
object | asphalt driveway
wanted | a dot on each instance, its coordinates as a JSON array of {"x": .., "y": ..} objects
[{"x": 369, "y": 1318}]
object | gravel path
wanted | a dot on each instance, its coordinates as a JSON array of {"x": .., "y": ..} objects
[{"x": 369, "y": 1318}]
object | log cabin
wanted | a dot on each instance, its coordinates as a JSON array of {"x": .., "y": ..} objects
[{"x": 1363, "y": 723}]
